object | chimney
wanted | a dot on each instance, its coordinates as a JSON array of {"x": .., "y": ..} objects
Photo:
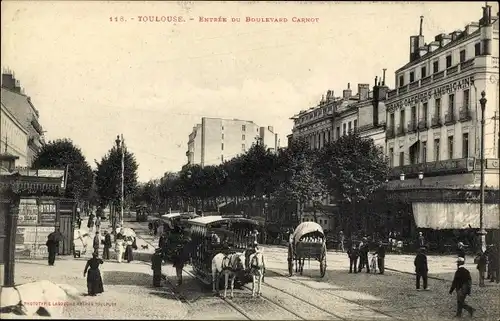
[
  {"x": 489, "y": 15},
  {"x": 383, "y": 75},
  {"x": 432, "y": 46},
  {"x": 17, "y": 87},
  {"x": 270, "y": 128},
  {"x": 376, "y": 77},
  {"x": 421, "y": 24},
  {"x": 363, "y": 90},
  {"x": 8, "y": 81},
  {"x": 347, "y": 92}
]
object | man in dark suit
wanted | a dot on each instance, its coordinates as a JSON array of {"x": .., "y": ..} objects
[
  {"x": 421, "y": 268},
  {"x": 363, "y": 255},
  {"x": 381, "y": 257},
  {"x": 462, "y": 283},
  {"x": 353, "y": 254}
]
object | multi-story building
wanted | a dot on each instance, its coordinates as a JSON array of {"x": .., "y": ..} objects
[
  {"x": 19, "y": 106},
  {"x": 433, "y": 121},
  {"x": 216, "y": 140},
  {"x": 13, "y": 137}
]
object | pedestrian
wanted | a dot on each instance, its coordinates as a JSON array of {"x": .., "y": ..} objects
[
  {"x": 381, "y": 257},
  {"x": 481, "y": 261},
  {"x": 363, "y": 255},
  {"x": 52, "y": 245},
  {"x": 90, "y": 223},
  {"x": 341, "y": 241},
  {"x": 353, "y": 254},
  {"x": 421, "y": 268},
  {"x": 181, "y": 257},
  {"x": 107, "y": 245},
  {"x": 119, "y": 247},
  {"x": 156, "y": 262},
  {"x": 98, "y": 223},
  {"x": 96, "y": 243},
  {"x": 155, "y": 227},
  {"x": 494, "y": 266},
  {"x": 460, "y": 250},
  {"x": 78, "y": 221},
  {"x": 94, "y": 279},
  {"x": 462, "y": 284},
  {"x": 150, "y": 228},
  {"x": 421, "y": 240},
  {"x": 129, "y": 254}
]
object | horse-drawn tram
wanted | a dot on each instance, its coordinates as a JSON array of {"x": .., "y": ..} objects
[
  {"x": 212, "y": 235},
  {"x": 307, "y": 242},
  {"x": 175, "y": 226}
]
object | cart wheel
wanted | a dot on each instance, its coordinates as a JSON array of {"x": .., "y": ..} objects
[{"x": 322, "y": 266}]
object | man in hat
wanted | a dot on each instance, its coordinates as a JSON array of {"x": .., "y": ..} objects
[
  {"x": 461, "y": 250},
  {"x": 381, "y": 257},
  {"x": 363, "y": 255},
  {"x": 462, "y": 284},
  {"x": 353, "y": 254},
  {"x": 156, "y": 262},
  {"x": 421, "y": 240},
  {"x": 107, "y": 245},
  {"x": 421, "y": 268}
]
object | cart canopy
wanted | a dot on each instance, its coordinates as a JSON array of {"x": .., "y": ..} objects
[{"x": 306, "y": 228}]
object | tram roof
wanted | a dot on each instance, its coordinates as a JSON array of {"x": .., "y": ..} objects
[
  {"x": 171, "y": 215},
  {"x": 206, "y": 220}
]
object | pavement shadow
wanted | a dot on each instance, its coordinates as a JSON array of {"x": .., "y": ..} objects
[{"x": 126, "y": 278}]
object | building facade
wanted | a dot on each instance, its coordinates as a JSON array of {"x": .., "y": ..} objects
[
  {"x": 21, "y": 108},
  {"x": 433, "y": 118},
  {"x": 13, "y": 137},
  {"x": 216, "y": 140}
]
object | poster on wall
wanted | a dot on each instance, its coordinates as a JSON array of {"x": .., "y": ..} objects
[
  {"x": 28, "y": 212},
  {"x": 47, "y": 212},
  {"x": 30, "y": 240}
]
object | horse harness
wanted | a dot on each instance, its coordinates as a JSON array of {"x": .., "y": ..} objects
[{"x": 229, "y": 262}]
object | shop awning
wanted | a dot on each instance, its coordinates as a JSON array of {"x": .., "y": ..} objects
[{"x": 440, "y": 216}]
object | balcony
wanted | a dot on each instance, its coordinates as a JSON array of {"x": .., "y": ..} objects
[
  {"x": 390, "y": 133},
  {"x": 449, "y": 118},
  {"x": 465, "y": 114},
  {"x": 452, "y": 70},
  {"x": 403, "y": 89},
  {"x": 401, "y": 131},
  {"x": 414, "y": 85},
  {"x": 436, "y": 122},
  {"x": 392, "y": 93},
  {"x": 466, "y": 64},
  {"x": 426, "y": 80},
  {"x": 422, "y": 125},
  {"x": 438, "y": 75},
  {"x": 412, "y": 126}
]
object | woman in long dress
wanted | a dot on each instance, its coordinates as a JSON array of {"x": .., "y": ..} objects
[
  {"x": 94, "y": 279},
  {"x": 119, "y": 248},
  {"x": 128, "y": 249}
]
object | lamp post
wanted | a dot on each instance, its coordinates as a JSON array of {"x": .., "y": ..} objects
[
  {"x": 119, "y": 145},
  {"x": 421, "y": 177},
  {"x": 482, "y": 231},
  {"x": 189, "y": 175}
]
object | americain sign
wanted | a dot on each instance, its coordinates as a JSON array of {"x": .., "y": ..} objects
[{"x": 436, "y": 92}]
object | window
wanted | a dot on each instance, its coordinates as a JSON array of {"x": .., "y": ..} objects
[
  {"x": 329, "y": 136},
  {"x": 451, "y": 104},
  {"x": 402, "y": 119},
  {"x": 401, "y": 80},
  {"x": 435, "y": 66},
  {"x": 222, "y": 146},
  {"x": 222, "y": 135},
  {"x": 338, "y": 132},
  {"x": 437, "y": 149},
  {"x": 477, "y": 49},
  {"x": 243, "y": 128},
  {"x": 413, "y": 119},
  {"x": 243, "y": 137},
  {"x": 448, "y": 61},
  {"x": 355, "y": 123},
  {"x": 350, "y": 126},
  {"x": 391, "y": 157},
  {"x": 423, "y": 72},
  {"x": 424, "y": 152},
  {"x": 412, "y": 76},
  {"x": 401, "y": 158},
  {"x": 465, "y": 145},
  {"x": 391, "y": 120},
  {"x": 462, "y": 55},
  {"x": 344, "y": 129},
  {"x": 243, "y": 147},
  {"x": 437, "y": 107},
  {"x": 450, "y": 147},
  {"x": 425, "y": 108},
  {"x": 466, "y": 99}
]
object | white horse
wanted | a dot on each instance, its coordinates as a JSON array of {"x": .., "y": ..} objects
[
  {"x": 229, "y": 266},
  {"x": 257, "y": 270}
]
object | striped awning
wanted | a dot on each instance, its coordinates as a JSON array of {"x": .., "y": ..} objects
[{"x": 440, "y": 216}]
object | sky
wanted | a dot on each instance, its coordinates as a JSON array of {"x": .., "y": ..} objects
[{"x": 92, "y": 79}]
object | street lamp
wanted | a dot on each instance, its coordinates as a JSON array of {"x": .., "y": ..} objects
[
  {"x": 482, "y": 231},
  {"x": 402, "y": 176},
  {"x": 421, "y": 177}
]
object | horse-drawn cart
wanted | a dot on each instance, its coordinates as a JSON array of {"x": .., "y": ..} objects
[{"x": 308, "y": 241}]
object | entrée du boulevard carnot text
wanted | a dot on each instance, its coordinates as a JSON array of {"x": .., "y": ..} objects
[{"x": 201, "y": 19}]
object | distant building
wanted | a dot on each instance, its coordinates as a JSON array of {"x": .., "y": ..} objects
[
  {"x": 19, "y": 107},
  {"x": 14, "y": 137},
  {"x": 216, "y": 140}
]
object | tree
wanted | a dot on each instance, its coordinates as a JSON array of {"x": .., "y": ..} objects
[
  {"x": 108, "y": 176},
  {"x": 297, "y": 178},
  {"x": 62, "y": 154},
  {"x": 353, "y": 168}
]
